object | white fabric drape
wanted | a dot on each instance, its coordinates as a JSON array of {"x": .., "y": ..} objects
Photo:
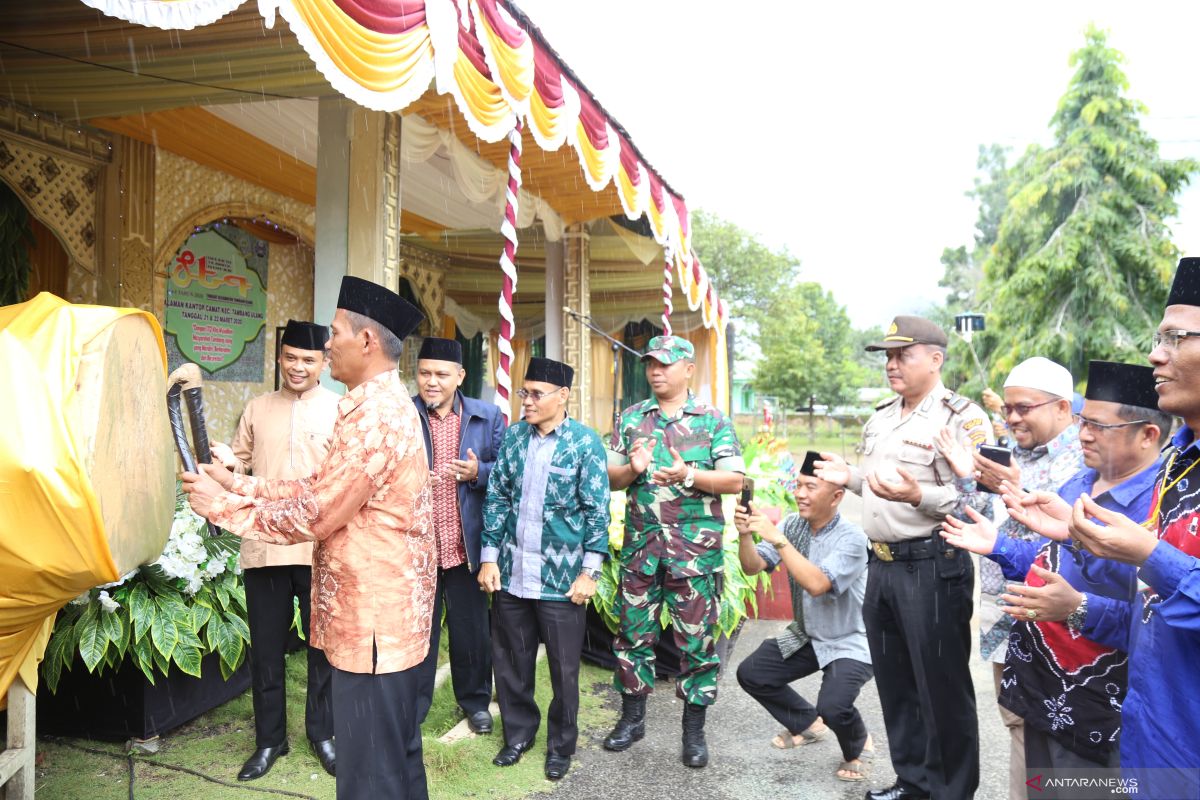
[{"x": 479, "y": 181}]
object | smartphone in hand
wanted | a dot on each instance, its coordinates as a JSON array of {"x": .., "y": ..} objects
[
  {"x": 1001, "y": 455},
  {"x": 747, "y": 493}
]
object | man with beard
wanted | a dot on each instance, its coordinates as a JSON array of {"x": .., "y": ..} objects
[{"x": 462, "y": 438}]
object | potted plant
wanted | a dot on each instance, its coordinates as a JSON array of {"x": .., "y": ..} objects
[{"x": 157, "y": 648}]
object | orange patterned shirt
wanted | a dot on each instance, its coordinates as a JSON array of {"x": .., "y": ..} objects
[{"x": 368, "y": 509}]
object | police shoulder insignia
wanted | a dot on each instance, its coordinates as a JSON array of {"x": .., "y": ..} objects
[
  {"x": 956, "y": 402},
  {"x": 972, "y": 423},
  {"x": 978, "y": 437},
  {"x": 884, "y": 403}
]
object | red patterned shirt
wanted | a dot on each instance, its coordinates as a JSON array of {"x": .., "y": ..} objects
[{"x": 444, "y": 433}]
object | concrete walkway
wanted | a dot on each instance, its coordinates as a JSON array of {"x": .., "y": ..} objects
[{"x": 743, "y": 764}]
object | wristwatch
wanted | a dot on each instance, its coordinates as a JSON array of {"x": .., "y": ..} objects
[
  {"x": 689, "y": 479},
  {"x": 1075, "y": 618},
  {"x": 594, "y": 574}
]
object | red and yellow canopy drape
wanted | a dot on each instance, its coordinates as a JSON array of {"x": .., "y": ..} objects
[{"x": 498, "y": 68}]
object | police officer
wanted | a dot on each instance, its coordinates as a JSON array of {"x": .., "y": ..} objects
[
  {"x": 677, "y": 456},
  {"x": 918, "y": 602}
]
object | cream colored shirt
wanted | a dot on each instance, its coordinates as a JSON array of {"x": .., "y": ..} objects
[
  {"x": 283, "y": 435},
  {"x": 892, "y": 441}
]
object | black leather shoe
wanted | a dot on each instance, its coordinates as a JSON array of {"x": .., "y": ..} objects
[
  {"x": 480, "y": 722},
  {"x": 325, "y": 754},
  {"x": 896, "y": 792},
  {"x": 557, "y": 766},
  {"x": 261, "y": 762},
  {"x": 511, "y": 754}
]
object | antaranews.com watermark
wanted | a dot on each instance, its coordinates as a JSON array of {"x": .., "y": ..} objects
[{"x": 1104, "y": 784}]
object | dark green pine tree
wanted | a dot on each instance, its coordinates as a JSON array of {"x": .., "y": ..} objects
[{"x": 1083, "y": 256}]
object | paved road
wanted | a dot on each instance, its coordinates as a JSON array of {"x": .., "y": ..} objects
[{"x": 743, "y": 763}]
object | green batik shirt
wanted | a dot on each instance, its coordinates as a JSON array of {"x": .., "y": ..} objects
[
  {"x": 670, "y": 526},
  {"x": 546, "y": 514}
]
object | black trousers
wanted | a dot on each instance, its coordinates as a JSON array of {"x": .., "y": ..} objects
[
  {"x": 269, "y": 593},
  {"x": 517, "y": 627},
  {"x": 378, "y": 736},
  {"x": 918, "y": 616},
  {"x": 470, "y": 642},
  {"x": 766, "y": 675}
]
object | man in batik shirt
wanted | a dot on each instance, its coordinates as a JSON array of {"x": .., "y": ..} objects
[
  {"x": 367, "y": 508},
  {"x": 545, "y": 537}
]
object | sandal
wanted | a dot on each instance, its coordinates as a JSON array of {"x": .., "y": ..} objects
[
  {"x": 868, "y": 751},
  {"x": 852, "y": 771},
  {"x": 786, "y": 740}
]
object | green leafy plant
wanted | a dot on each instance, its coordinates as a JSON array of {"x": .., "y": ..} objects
[{"x": 187, "y": 604}]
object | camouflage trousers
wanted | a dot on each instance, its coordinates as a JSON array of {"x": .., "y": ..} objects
[{"x": 693, "y": 604}]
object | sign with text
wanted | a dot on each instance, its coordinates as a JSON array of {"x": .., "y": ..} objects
[{"x": 217, "y": 304}]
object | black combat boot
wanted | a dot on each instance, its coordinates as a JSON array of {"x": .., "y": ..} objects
[
  {"x": 695, "y": 750},
  {"x": 631, "y": 727}
]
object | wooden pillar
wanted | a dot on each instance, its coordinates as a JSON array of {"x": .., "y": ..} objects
[
  {"x": 555, "y": 256},
  {"x": 17, "y": 759},
  {"x": 358, "y": 199},
  {"x": 576, "y": 338}
]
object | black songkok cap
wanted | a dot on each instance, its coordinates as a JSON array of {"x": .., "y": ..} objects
[
  {"x": 305, "y": 335},
  {"x": 809, "y": 468},
  {"x": 549, "y": 371},
  {"x": 1185, "y": 289},
  {"x": 436, "y": 349},
  {"x": 1128, "y": 384},
  {"x": 382, "y": 305}
]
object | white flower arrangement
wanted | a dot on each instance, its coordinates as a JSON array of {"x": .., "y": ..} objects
[{"x": 190, "y": 602}]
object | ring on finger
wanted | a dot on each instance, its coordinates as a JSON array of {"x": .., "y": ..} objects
[{"x": 1031, "y": 614}]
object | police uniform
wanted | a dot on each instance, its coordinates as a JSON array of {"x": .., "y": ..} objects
[{"x": 918, "y": 600}]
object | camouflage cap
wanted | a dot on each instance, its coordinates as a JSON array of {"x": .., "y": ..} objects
[
  {"x": 669, "y": 349},
  {"x": 906, "y": 330}
]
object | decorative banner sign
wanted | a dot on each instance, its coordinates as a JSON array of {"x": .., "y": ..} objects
[{"x": 217, "y": 304}]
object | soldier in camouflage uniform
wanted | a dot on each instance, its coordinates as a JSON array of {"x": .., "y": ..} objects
[{"x": 677, "y": 456}]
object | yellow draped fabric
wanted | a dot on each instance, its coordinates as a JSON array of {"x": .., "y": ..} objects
[{"x": 53, "y": 544}]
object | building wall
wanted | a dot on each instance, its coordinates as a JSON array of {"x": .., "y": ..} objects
[{"x": 188, "y": 194}]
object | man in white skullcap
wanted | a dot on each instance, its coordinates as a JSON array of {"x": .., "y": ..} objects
[{"x": 1037, "y": 409}]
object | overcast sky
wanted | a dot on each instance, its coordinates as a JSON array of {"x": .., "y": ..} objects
[{"x": 849, "y": 131}]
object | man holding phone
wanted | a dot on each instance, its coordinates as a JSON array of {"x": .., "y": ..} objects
[
  {"x": 825, "y": 556},
  {"x": 918, "y": 602},
  {"x": 1037, "y": 409}
]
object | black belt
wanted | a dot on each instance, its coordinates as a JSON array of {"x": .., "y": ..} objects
[{"x": 908, "y": 550}]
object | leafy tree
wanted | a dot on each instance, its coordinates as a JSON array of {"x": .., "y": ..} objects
[
  {"x": 807, "y": 347},
  {"x": 963, "y": 268},
  {"x": 747, "y": 272},
  {"x": 1082, "y": 255}
]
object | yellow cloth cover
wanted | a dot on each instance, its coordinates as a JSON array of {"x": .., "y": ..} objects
[{"x": 53, "y": 543}]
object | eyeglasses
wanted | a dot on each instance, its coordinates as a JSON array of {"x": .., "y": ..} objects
[
  {"x": 536, "y": 394},
  {"x": 1101, "y": 427},
  {"x": 1023, "y": 409},
  {"x": 1170, "y": 339}
]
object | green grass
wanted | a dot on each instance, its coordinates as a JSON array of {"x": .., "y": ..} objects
[{"x": 218, "y": 742}]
